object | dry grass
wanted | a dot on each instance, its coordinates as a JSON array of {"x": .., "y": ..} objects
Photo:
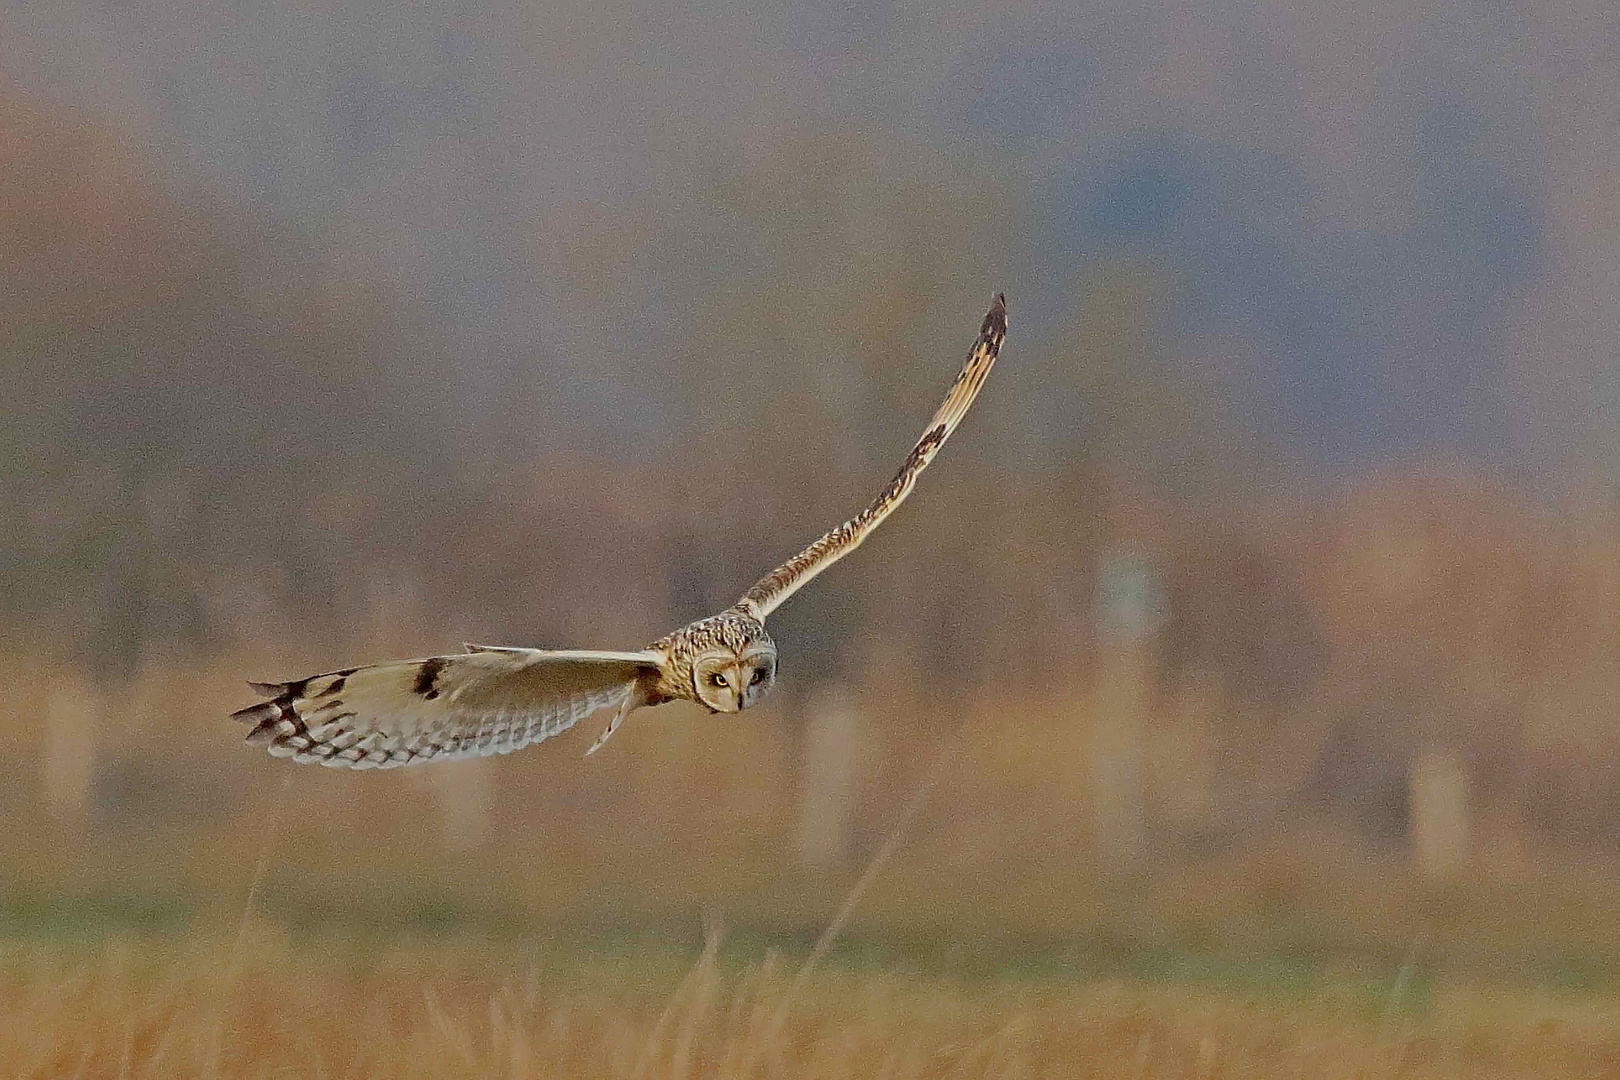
[
  {"x": 374, "y": 948},
  {"x": 152, "y": 1009}
]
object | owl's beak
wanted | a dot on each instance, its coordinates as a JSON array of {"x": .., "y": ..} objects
[{"x": 737, "y": 681}]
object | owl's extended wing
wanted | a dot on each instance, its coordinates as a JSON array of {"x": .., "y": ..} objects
[
  {"x": 489, "y": 700},
  {"x": 769, "y": 592}
]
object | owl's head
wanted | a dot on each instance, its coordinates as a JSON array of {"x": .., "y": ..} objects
[
  {"x": 732, "y": 661},
  {"x": 730, "y": 680}
]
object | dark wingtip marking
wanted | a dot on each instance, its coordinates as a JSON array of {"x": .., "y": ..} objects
[
  {"x": 426, "y": 675},
  {"x": 263, "y": 735},
  {"x": 254, "y": 714},
  {"x": 995, "y": 321}
]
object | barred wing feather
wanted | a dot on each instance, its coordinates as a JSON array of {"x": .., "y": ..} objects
[
  {"x": 488, "y": 700},
  {"x": 770, "y": 591}
]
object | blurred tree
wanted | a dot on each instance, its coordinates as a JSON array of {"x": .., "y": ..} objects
[{"x": 184, "y": 390}]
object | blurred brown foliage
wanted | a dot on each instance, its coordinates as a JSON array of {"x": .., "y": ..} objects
[{"x": 223, "y": 455}]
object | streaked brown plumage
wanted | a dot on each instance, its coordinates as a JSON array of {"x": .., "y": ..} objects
[{"x": 493, "y": 700}]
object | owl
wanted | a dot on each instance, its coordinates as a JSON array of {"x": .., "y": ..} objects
[{"x": 494, "y": 699}]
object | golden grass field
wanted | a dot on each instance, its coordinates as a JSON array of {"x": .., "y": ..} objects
[
  {"x": 253, "y": 1005},
  {"x": 266, "y": 923}
]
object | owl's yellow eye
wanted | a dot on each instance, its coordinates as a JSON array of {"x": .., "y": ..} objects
[
  {"x": 758, "y": 677},
  {"x": 717, "y": 679}
]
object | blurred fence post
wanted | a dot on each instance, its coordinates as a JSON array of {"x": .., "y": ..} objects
[
  {"x": 1181, "y": 759},
  {"x": 1439, "y": 812},
  {"x": 830, "y": 746},
  {"x": 1128, "y": 606},
  {"x": 67, "y": 759}
]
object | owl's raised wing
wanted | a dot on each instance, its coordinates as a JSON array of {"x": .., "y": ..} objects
[
  {"x": 488, "y": 700},
  {"x": 769, "y": 592}
]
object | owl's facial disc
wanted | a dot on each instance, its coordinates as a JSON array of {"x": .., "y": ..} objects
[
  {"x": 727, "y": 682},
  {"x": 716, "y": 681},
  {"x": 757, "y": 671}
]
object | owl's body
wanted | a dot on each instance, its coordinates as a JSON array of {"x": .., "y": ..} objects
[{"x": 494, "y": 699}]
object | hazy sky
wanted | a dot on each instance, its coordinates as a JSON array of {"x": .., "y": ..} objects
[{"x": 1388, "y": 228}]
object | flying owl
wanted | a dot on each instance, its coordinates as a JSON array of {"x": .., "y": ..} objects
[{"x": 494, "y": 699}]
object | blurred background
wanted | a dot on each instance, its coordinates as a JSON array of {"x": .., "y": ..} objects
[{"x": 1273, "y": 585}]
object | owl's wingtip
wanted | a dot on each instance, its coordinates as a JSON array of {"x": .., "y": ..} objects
[{"x": 995, "y": 321}]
